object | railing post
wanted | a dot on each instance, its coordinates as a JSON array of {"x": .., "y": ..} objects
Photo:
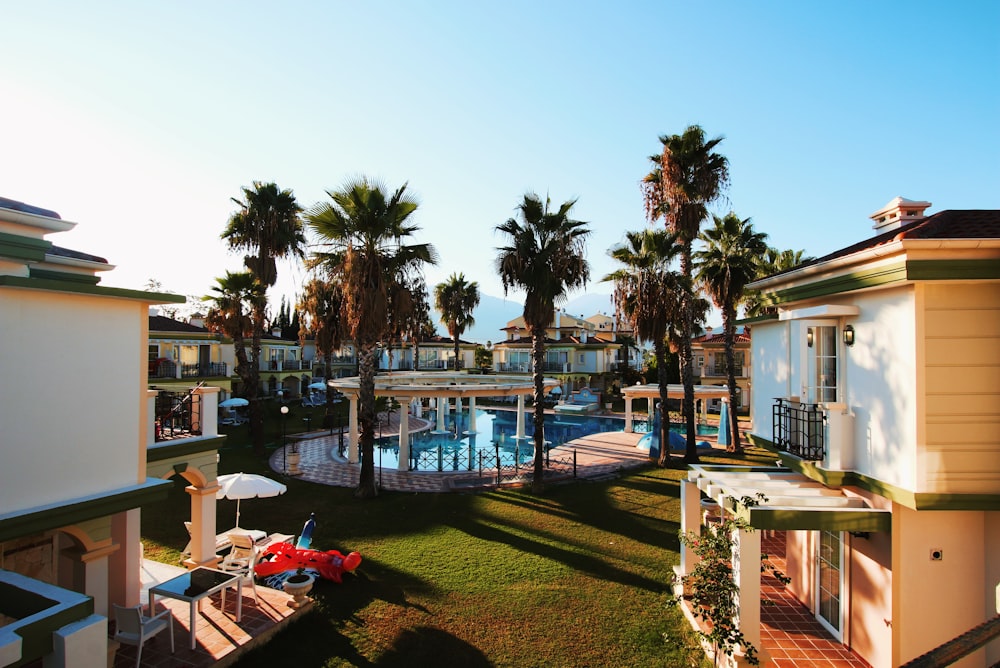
[
  {"x": 574, "y": 462},
  {"x": 498, "y": 462},
  {"x": 440, "y": 458}
]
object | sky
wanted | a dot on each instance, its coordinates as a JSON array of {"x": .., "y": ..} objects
[{"x": 140, "y": 121}]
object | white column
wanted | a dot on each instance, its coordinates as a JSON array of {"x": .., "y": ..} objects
[
  {"x": 203, "y": 529},
  {"x": 124, "y": 564},
  {"x": 746, "y": 574},
  {"x": 442, "y": 406},
  {"x": 472, "y": 414},
  {"x": 690, "y": 521},
  {"x": 458, "y": 414},
  {"x": 353, "y": 455},
  {"x": 404, "y": 436},
  {"x": 520, "y": 416},
  {"x": 628, "y": 415}
]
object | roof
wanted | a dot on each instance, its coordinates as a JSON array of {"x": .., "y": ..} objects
[
  {"x": 948, "y": 224},
  {"x": 159, "y": 323},
  {"x": 15, "y": 205},
  {"x": 719, "y": 337},
  {"x": 76, "y": 255}
]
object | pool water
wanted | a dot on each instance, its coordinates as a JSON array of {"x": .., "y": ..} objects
[{"x": 455, "y": 449}]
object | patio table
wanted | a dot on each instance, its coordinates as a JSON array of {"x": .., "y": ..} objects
[{"x": 197, "y": 585}]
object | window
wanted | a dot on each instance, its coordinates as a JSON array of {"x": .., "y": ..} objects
[
  {"x": 154, "y": 352},
  {"x": 823, "y": 364}
]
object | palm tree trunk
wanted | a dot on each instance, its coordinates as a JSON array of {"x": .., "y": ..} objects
[
  {"x": 730, "y": 335},
  {"x": 253, "y": 382},
  {"x": 687, "y": 371},
  {"x": 456, "y": 351},
  {"x": 538, "y": 375},
  {"x": 661, "y": 378},
  {"x": 366, "y": 421}
]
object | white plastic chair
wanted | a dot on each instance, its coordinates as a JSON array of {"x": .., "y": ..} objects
[
  {"x": 241, "y": 559},
  {"x": 134, "y": 628}
]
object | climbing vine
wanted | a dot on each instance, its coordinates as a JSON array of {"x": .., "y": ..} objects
[{"x": 710, "y": 587}]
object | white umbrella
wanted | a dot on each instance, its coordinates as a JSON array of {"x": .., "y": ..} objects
[
  {"x": 240, "y": 486},
  {"x": 233, "y": 403},
  {"x": 318, "y": 386}
]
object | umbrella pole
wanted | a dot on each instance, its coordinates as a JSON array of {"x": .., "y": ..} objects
[{"x": 237, "y": 513}]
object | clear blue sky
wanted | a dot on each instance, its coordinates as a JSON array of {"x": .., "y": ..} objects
[{"x": 140, "y": 121}]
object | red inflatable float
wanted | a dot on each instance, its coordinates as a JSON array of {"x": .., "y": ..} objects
[{"x": 282, "y": 557}]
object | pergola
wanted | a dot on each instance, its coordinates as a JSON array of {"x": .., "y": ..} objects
[
  {"x": 673, "y": 392},
  {"x": 441, "y": 387}
]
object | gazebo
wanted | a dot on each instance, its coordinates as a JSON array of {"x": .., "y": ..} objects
[
  {"x": 651, "y": 390},
  {"x": 441, "y": 387}
]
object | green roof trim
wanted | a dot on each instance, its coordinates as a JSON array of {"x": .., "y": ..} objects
[
  {"x": 60, "y": 285},
  {"x": 20, "y": 247},
  {"x": 856, "y": 280},
  {"x": 87, "y": 279},
  {"x": 817, "y": 519},
  {"x": 183, "y": 447},
  {"x": 73, "y": 511},
  {"x": 951, "y": 270},
  {"x": 904, "y": 497}
]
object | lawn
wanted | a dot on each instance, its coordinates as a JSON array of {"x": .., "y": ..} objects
[{"x": 577, "y": 577}]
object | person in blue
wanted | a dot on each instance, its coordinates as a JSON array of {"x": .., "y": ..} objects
[{"x": 305, "y": 538}]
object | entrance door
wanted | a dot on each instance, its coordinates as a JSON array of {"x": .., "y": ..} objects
[{"x": 830, "y": 582}]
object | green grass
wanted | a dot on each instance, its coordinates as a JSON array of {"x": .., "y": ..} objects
[{"x": 577, "y": 577}]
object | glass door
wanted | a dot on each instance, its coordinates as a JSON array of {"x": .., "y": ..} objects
[{"x": 830, "y": 582}]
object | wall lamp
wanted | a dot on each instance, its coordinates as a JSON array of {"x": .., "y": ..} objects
[
  {"x": 849, "y": 335},
  {"x": 809, "y": 337}
]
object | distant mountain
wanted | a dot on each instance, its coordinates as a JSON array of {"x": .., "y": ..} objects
[{"x": 494, "y": 313}]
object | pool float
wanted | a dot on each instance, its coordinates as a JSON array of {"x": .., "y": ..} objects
[{"x": 286, "y": 558}]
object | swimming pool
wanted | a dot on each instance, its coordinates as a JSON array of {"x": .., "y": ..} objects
[{"x": 456, "y": 449}]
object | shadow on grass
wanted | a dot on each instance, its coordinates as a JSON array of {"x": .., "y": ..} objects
[{"x": 428, "y": 646}]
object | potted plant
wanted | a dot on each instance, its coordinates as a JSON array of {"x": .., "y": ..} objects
[{"x": 298, "y": 586}]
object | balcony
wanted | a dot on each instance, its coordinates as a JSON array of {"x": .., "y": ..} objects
[
  {"x": 285, "y": 365},
  {"x": 719, "y": 370},
  {"x": 177, "y": 415},
  {"x": 204, "y": 370},
  {"x": 162, "y": 368},
  {"x": 438, "y": 365},
  {"x": 799, "y": 429},
  {"x": 513, "y": 367}
]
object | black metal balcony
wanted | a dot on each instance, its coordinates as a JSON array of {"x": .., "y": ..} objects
[
  {"x": 178, "y": 415},
  {"x": 798, "y": 429},
  {"x": 203, "y": 370}
]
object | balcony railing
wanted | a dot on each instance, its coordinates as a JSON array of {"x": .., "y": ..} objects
[
  {"x": 162, "y": 368},
  {"x": 558, "y": 367},
  {"x": 798, "y": 429},
  {"x": 439, "y": 365},
  {"x": 284, "y": 365},
  {"x": 177, "y": 415},
  {"x": 513, "y": 367},
  {"x": 203, "y": 370},
  {"x": 720, "y": 370}
]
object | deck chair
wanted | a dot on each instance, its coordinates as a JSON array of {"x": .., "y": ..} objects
[{"x": 134, "y": 628}]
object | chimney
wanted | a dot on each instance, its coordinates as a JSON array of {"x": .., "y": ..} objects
[
  {"x": 276, "y": 332},
  {"x": 197, "y": 319},
  {"x": 898, "y": 212}
]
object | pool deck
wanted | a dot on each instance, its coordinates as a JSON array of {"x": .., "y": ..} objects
[{"x": 598, "y": 456}]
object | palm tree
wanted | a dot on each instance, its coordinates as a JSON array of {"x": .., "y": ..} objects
[
  {"x": 456, "y": 299},
  {"x": 322, "y": 303},
  {"x": 725, "y": 265},
  {"x": 648, "y": 295},
  {"x": 773, "y": 261},
  {"x": 266, "y": 226},
  {"x": 234, "y": 299},
  {"x": 363, "y": 232},
  {"x": 686, "y": 177},
  {"x": 545, "y": 258}
]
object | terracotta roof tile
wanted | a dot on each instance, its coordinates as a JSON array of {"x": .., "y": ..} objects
[{"x": 948, "y": 224}]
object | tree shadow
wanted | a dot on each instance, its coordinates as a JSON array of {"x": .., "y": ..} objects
[{"x": 428, "y": 646}]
